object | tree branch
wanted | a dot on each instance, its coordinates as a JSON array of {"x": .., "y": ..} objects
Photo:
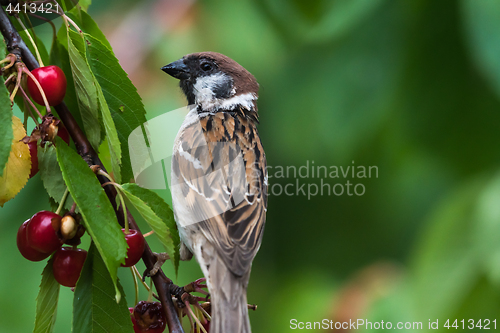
[{"x": 163, "y": 284}]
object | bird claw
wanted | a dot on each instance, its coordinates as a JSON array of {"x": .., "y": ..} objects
[
  {"x": 160, "y": 260},
  {"x": 196, "y": 286}
]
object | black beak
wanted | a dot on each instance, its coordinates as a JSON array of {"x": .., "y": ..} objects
[{"x": 177, "y": 69}]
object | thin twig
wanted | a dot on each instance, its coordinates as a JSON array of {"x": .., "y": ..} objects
[{"x": 26, "y": 98}]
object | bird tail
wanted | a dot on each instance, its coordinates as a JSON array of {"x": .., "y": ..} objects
[{"x": 228, "y": 296}]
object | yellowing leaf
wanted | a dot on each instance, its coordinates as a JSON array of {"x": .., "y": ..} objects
[{"x": 17, "y": 169}]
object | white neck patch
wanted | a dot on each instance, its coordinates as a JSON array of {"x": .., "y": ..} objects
[{"x": 205, "y": 97}]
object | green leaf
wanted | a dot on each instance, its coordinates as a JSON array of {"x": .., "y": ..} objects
[
  {"x": 487, "y": 228},
  {"x": 482, "y": 25},
  {"x": 65, "y": 4},
  {"x": 46, "y": 301},
  {"x": 97, "y": 212},
  {"x": 85, "y": 89},
  {"x": 123, "y": 100},
  {"x": 85, "y": 5},
  {"x": 446, "y": 261},
  {"x": 5, "y": 120},
  {"x": 318, "y": 21},
  {"x": 59, "y": 56},
  {"x": 51, "y": 174},
  {"x": 68, "y": 4},
  {"x": 111, "y": 135},
  {"x": 95, "y": 309},
  {"x": 89, "y": 26},
  {"x": 158, "y": 215}
]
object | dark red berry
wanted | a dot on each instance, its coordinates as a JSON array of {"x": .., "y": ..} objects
[
  {"x": 53, "y": 82},
  {"x": 68, "y": 264},
  {"x": 34, "y": 157},
  {"x": 149, "y": 317},
  {"x": 26, "y": 250},
  {"x": 41, "y": 232},
  {"x": 62, "y": 132},
  {"x": 134, "y": 322},
  {"x": 135, "y": 242}
]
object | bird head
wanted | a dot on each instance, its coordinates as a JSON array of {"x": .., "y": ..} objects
[{"x": 214, "y": 81}]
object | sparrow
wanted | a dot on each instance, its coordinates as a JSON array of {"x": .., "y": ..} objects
[{"x": 219, "y": 180}]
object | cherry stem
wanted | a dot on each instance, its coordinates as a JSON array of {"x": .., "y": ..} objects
[
  {"x": 26, "y": 98},
  {"x": 18, "y": 82},
  {"x": 105, "y": 174},
  {"x": 195, "y": 317},
  {"x": 119, "y": 192},
  {"x": 39, "y": 58},
  {"x": 73, "y": 208},
  {"x": 187, "y": 309},
  {"x": 120, "y": 196},
  {"x": 136, "y": 285},
  {"x": 27, "y": 19},
  {"x": 136, "y": 271},
  {"x": 122, "y": 202},
  {"x": 10, "y": 58},
  {"x": 148, "y": 233},
  {"x": 9, "y": 78},
  {"x": 205, "y": 313},
  {"x": 65, "y": 18},
  {"x": 39, "y": 88},
  {"x": 54, "y": 30},
  {"x": 26, "y": 106},
  {"x": 150, "y": 295},
  {"x": 63, "y": 200}
]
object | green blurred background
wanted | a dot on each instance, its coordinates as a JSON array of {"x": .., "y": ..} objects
[{"x": 411, "y": 87}]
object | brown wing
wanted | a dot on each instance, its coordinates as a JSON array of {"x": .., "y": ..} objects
[{"x": 223, "y": 165}]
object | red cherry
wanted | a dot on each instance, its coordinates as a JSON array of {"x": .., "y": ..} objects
[
  {"x": 34, "y": 157},
  {"x": 53, "y": 82},
  {"x": 137, "y": 329},
  {"x": 135, "y": 242},
  {"x": 62, "y": 132},
  {"x": 149, "y": 317},
  {"x": 26, "y": 250},
  {"x": 41, "y": 232},
  {"x": 68, "y": 264}
]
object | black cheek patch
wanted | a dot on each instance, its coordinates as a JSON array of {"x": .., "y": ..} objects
[
  {"x": 223, "y": 90},
  {"x": 187, "y": 88}
]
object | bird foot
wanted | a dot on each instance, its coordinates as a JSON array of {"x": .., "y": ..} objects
[
  {"x": 197, "y": 286},
  {"x": 160, "y": 260}
]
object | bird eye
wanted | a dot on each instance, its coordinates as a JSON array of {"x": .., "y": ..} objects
[{"x": 206, "y": 66}]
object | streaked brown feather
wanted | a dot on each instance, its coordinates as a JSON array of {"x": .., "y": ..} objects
[{"x": 237, "y": 233}]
